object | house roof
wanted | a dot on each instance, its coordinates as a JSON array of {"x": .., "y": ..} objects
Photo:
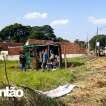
[{"x": 39, "y": 42}]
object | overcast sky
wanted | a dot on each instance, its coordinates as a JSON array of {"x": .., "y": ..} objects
[{"x": 71, "y": 19}]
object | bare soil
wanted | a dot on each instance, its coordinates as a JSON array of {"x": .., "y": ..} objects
[{"x": 91, "y": 90}]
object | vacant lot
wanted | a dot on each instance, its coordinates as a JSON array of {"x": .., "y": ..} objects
[
  {"x": 36, "y": 79},
  {"x": 91, "y": 82},
  {"x": 88, "y": 74}
]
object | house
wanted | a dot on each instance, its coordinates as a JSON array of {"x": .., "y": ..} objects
[
  {"x": 11, "y": 50},
  {"x": 11, "y": 47}
]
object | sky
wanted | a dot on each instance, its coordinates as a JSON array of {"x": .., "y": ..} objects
[{"x": 70, "y": 19}]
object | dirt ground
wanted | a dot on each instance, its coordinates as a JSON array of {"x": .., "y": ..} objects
[{"x": 91, "y": 85}]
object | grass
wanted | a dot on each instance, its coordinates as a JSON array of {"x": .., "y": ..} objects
[
  {"x": 35, "y": 79},
  {"x": 76, "y": 61},
  {"x": 89, "y": 76}
]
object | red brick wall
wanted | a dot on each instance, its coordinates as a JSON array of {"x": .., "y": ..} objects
[
  {"x": 72, "y": 48},
  {"x": 14, "y": 50}
]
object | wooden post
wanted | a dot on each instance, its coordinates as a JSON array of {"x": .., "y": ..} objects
[
  {"x": 60, "y": 58},
  {"x": 48, "y": 51},
  {"x": 65, "y": 58},
  {"x": 5, "y": 66}
]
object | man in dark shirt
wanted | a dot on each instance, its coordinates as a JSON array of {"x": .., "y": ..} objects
[{"x": 22, "y": 59}]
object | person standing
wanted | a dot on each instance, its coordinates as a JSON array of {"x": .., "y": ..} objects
[
  {"x": 40, "y": 58},
  {"x": 45, "y": 59},
  {"x": 22, "y": 59}
]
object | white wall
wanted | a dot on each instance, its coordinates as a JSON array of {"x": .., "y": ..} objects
[
  {"x": 11, "y": 58},
  {"x": 72, "y": 55},
  {"x": 16, "y": 57}
]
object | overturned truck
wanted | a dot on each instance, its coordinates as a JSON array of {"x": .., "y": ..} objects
[{"x": 33, "y": 51}]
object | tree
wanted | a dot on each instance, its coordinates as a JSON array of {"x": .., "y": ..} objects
[
  {"x": 82, "y": 44},
  {"x": 20, "y": 33},
  {"x": 44, "y": 32},
  {"x": 48, "y": 32},
  {"x": 60, "y": 39},
  {"x": 97, "y": 38},
  {"x": 16, "y": 33},
  {"x": 37, "y": 35}
]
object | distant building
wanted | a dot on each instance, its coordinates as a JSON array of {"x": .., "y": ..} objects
[
  {"x": 68, "y": 48},
  {"x": 12, "y": 48}
]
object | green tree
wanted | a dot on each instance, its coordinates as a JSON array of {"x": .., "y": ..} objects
[
  {"x": 16, "y": 33},
  {"x": 20, "y": 33},
  {"x": 48, "y": 32},
  {"x": 97, "y": 38},
  {"x": 37, "y": 35},
  {"x": 60, "y": 39},
  {"x": 44, "y": 32},
  {"x": 82, "y": 44}
]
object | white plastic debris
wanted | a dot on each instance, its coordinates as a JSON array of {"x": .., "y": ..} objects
[{"x": 60, "y": 91}]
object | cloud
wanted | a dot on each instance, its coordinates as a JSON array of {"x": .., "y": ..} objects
[
  {"x": 59, "y": 22},
  {"x": 35, "y": 15},
  {"x": 97, "y": 21}
]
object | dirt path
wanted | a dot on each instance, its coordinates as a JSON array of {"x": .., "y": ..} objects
[{"x": 91, "y": 82}]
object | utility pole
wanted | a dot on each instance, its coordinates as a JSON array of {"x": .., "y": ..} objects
[
  {"x": 87, "y": 45},
  {"x": 97, "y": 47},
  {"x": 97, "y": 31}
]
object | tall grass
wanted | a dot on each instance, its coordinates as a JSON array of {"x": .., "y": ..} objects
[{"x": 35, "y": 79}]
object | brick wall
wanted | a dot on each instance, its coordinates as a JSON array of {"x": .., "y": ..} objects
[
  {"x": 72, "y": 48},
  {"x": 14, "y": 50}
]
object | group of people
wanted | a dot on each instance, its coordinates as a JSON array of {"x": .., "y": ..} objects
[
  {"x": 45, "y": 60},
  {"x": 49, "y": 61}
]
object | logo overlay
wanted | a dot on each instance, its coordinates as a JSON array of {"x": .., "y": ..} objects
[{"x": 11, "y": 92}]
